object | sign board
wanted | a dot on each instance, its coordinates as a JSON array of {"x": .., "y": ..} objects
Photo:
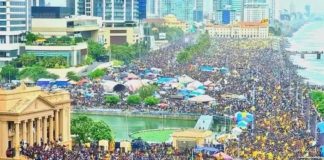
[{"x": 162, "y": 35}]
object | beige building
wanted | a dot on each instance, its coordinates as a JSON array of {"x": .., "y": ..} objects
[
  {"x": 120, "y": 35},
  {"x": 31, "y": 115},
  {"x": 239, "y": 30},
  {"x": 172, "y": 21},
  {"x": 85, "y": 26},
  {"x": 190, "y": 138}
]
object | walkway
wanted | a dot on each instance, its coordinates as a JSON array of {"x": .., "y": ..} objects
[{"x": 204, "y": 122}]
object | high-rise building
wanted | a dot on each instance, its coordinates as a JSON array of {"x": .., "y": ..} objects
[
  {"x": 272, "y": 11},
  {"x": 111, "y": 11},
  {"x": 182, "y": 9},
  {"x": 14, "y": 22},
  {"x": 40, "y": 3},
  {"x": 153, "y": 8},
  {"x": 142, "y": 9},
  {"x": 255, "y": 10},
  {"x": 237, "y": 6},
  {"x": 71, "y": 5},
  {"x": 198, "y": 14}
]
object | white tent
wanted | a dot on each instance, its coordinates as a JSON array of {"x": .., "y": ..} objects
[
  {"x": 134, "y": 85},
  {"x": 194, "y": 85},
  {"x": 185, "y": 79},
  {"x": 109, "y": 85},
  {"x": 202, "y": 98}
]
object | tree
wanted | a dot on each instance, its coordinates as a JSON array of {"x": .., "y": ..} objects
[
  {"x": 28, "y": 60},
  {"x": 9, "y": 72},
  {"x": 96, "y": 49},
  {"x": 123, "y": 52},
  {"x": 100, "y": 131},
  {"x": 133, "y": 100},
  {"x": 146, "y": 91},
  {"x": 30, "y": 37},
  {"x": 151, "y": 101},
  {"x": 112, "y": 99},
  {"x": 53, "y": 62},
  {"x": 72, "y": 76},
  {"x": 87, "y": 130},
  {"x": 98, "y": 73},
  {"x": 35, "y": 73},
  {"x": 80, "y": 127}
]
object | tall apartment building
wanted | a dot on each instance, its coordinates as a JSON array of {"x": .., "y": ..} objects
[
  {"x": 71, "y": 5},
  {"x": 182, "y": 9},
  {"x": 255, "y": 10},
  {"x": 111, "y": 11},
  {"x": 237, "y": 6},
  {"x": 142, "y": 9},
  {"x": 272, "y": 10},
  {"x": 14, "y": 22},
  {"x": 153, "y": 8},
  {"x": 198, "y": 14}
]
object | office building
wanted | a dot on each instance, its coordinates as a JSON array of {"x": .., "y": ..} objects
[
  {"x": 182, "y": 9},
  {"x": 71, "y": 5},
  {"x": 14, "y": 22},
  {"x": 272, "y": 11},
  {"x": 198, "y": 13},
  {"x": 255, "y": 11},
  {"x": 225, "y": 16},
  {"x": 50, "y": 12},
  {"x": 33, "y": 116},
  {"x": 40, "y": 3},
  {"x": 153, "y": 9},
  {"x": 237, "y": 6},
  {"x": 142, "y": 9},
  {"x": 111, "y": 11},
  {"x": 252, "y": 30}
]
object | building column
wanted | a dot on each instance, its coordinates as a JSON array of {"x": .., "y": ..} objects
[
  {"x": 17, "y": 139},
  {"x": 38, "y": 131},
  {"x": 24, "y": 130},
  {"x": 57, "y": 132},
  {"x": 45, "y": 129},
  {"x": 51, "y": 130},
  {"x": 31, "y": 132},
  {"x": 3, "y": 138}
]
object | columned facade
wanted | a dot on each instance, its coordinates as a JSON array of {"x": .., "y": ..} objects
[{"x": 44, "y": 118}]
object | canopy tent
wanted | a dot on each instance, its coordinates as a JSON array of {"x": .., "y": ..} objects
[
  {"x": 242, "y": 124},
  {"x": 165, "y": 80},
  {"x": 62, "y": 82},
  {"x": 244, "y": 116},
  {"x": 206, "y": 68},
  {"x": 44, "y": 82},
  {"x": 195, "y": 85},
  {"x": 222, "y": 156},
  {"x": 320, "y": 127},
  {"x": 202, "y": 98},
  {"x": 185, "y": 79},
  {"x": 134, "y": 85},
  {"x": 111, "y": 86}
]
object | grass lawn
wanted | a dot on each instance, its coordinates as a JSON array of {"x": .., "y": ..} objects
[{"x": 154, "y": 135}]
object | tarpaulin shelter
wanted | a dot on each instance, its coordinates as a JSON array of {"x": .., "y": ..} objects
[
  {"x": 62, "y": 82},
  {"x": 224, "y": 70},
  {"x": 208, "y": 150},
  {"x": 320, "y": 127},
  {"x": 206, "y": 68},
  {"x": 82, "y": 82},
  {"x": 134, "y": 85},
  {"x": 222, "y": 156},
  {"x": 44, "y": 82},
  {"x": 165, "y": 80},
  {"x": 244, "y": 116},
  {"x": 110, "y": 86},
  {"x": 242, "y": 124},
  {"x": 202, "y": 99},
  {"x": 195, "y": 85},
  {"x": 185, "y": 79},
  {"x": 131, "y": 76}
]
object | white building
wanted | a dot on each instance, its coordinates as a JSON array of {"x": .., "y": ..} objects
[
  {"x": 255, "y": 11},
  {"x": 14, "y": 23},
  {"x": 239, "y": 30},
  {"x": 152, "y": 8}
]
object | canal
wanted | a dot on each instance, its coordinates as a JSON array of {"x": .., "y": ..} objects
[{"x": 122, "y": 126}]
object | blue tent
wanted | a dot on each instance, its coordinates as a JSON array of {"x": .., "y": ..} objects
[
  {"x": 322, "y": 151},
  {"x": 207, "y": 68},
  {"x": 44, "y": 82},
  {"x": 206, "y": 149},
  {"x": 62, "y": 83},
  {"x": 224, "y": 70},
  {"x": 164, "y": 80},
  {"x": 320, "y": 127}
]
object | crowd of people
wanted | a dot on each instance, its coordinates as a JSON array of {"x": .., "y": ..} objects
[{"x": 285, "y": 121}]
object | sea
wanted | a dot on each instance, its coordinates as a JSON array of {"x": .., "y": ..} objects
[{"x": 310, "y": 37}]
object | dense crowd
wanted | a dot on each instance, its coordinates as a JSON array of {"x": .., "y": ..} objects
[{"x": 284, "y": 126}]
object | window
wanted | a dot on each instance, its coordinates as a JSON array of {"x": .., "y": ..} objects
[
  {"x": 3, "y": 28},
  {"x": 17, "y": 9},
  {"x": 2, "y": 10},
  {"x": 17, "y": 3},
  {"x": 3, "y": 23},
  {"x": 2, "y": 39},
  {"x": 17, "y": 28},
  {"x": 17, "y": 16},
  {"x": 3, "y": 16},
  {"x": 17, "y": 22},
  {"x": 2, "y": 3}
]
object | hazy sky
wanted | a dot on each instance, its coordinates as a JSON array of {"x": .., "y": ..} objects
[{"x": 317, "y": 5}]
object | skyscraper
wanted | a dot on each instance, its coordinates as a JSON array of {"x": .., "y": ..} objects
[
  {"x": 71, "y": 5},
  {"x": 198, "y": 14},
  {"x": 153, "y": 8},
  {"x": 142, "y": 9},
  {"x": 14, "y": 22},
  {"x": 255, "y": 10},
  {"x": 111, "y": 11},
  {"x": 182, "y": 9},
  {"x": 272, "y": 11},
  {"x": 237, "y": 6}
]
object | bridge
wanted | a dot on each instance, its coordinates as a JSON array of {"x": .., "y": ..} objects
[
  {"x": 204, "y": 122},
  {"x": 302, "y": 54}
]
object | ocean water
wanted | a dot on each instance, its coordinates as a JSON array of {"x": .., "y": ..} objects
[{"x": 309, "y": 38}]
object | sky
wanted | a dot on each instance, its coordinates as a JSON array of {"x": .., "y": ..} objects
[{"x": 316, "y": 5}]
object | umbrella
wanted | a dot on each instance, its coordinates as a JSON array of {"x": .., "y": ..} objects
[
  {"x": 242, "y": 124},
  {"x": 222, "y": 156},
  {"x": 320, "y": 127},
  {"x": 201, "y": 99}
]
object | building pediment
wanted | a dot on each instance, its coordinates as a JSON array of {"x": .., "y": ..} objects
[{"x": 27, "y": 106}]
